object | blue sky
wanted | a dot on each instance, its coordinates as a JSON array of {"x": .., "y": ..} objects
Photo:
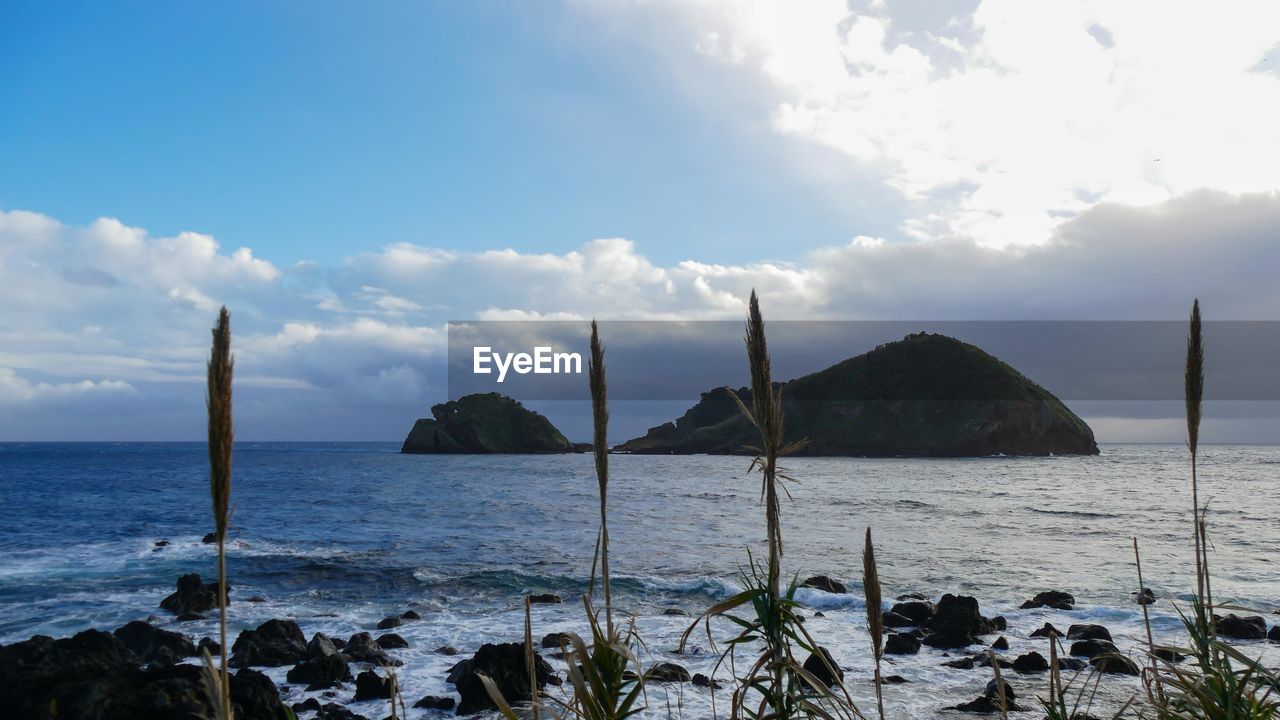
[
  {"x": 348, "y": 177},
  {"x": 316, "y": 130}
]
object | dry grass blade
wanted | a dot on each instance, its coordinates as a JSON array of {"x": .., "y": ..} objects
[
  {"x": 530, "y": 660},
  {"x": 875, "y": 613},
  {"x": 496, "y": 696},
  {"x": 1000, "y": 685},
  {"x": 221, "y": 439},
  {"x": 600, "y": 446}
]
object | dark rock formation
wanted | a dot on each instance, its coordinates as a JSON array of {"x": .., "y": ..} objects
[
  {"x": 667, "y": 672},
  {"x": 554, "y": 641},
  {"x": 1001, "y": 643},
  {"x": 919, "y": 612},
  {"x": 1274, "y": 635},
  {"x": 320, "y": 671},
  {"x": 1055, "y": 599},
  {"x": 1146, "y": 597},
  {"x": 484, "y": 423},
  {"x": 894, "y": 620},
  {"x": 821, "y": 667},
  {"x": 1093, "y": 648},
  {"x": 901, "y": 644},
  {"x": 390, "y": 622},
  {"x": 363, "y": 648},
  {"x": 826, "y": 584},
  {"x": 372, "y": 686},
  {"x": 94, "y": 676},
  {"x": 991, "y": 700},
  {"x": 1088, "y": 632},
  {"x": 505, "y": 665},
  {"x": 1114, "y": 663},
  {"x": 1249, "y": 627},
  {"x": 391, "y": 641},
  {"x": 545, "y": 599},
  {"x": 153, "y": 645},
  {"x": 1047, "y": 630},
  {"x": 924, "y": 395},
  {"x": 435, "y": 702},
  {"x": 273, "y": 643},
  {"x": 956, "y": 623},
  {"x": 192, "y": 596},
  {"x": 1031, "y": 662},
  {"x": 707, "y": 682}
]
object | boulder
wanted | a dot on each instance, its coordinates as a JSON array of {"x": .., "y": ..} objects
[
  {"x": 555, "y": 640},
  {"x": 1000, "y": 644},
  {"x": 271, "y": 644},
  {"x": 825, "y": 584},
  {"x": 919, "y": 612},
  {"x": 1047, "y": 630},
  {"x": 956, "y": 623},
  {"x": 1249, "y": 627},
  {"x": 822, "y": 667},
  {"x": 209, "y": 645},
  {"x": 545, "y": 599},
  {"x": 990, "y": 702},
  {"x": 372, "y": 686},
  {"x": 506, "y": 666},
  {"x": 363, "y": 648},
  {"x": 391, "y": 641},
  {"x": 1055, "y": 599},
  {"x": 707, "y": 682},
  {"x": 209, "y": 538},
  {"x": 435, "y": 702},
  {"x": 1168, "y": 655},
  {"x": 334, "y": 711},
  {"x": 1274, "y": 635},
  {"x": 193, "y": 595},
  {"x": 1092, "y": 648},
  {"x": 667, "y": 672},
  {"x": 320, "y": 671},
  {"x": 901, "y": 644},
  {"x": 1030, "y": 662},
  {"x": 894, "y": 620},
  {"x": 1145, "y": 597},
  {"x": 321, "y": 645},
  {"x": 1088, "y": 632},
  {"x": 305, "y": 705},
  {"x": 153, "y": 645},
  {"x": 410, "y": 615},
  {"x": 390, "y": 622},
  {"x": 1113, "y": 664},
  {"x": 446, "y": 650}
]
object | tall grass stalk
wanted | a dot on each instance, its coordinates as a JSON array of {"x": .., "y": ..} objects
[
  {"x": 785, "y": 689},
  {"x": 221, "y": 438},
  {"x": 600, "y": 448},
  {"x": 1221, "y": 682},
  {"x": 875, "y": 614},
  {"x": 603, "y": 686}
]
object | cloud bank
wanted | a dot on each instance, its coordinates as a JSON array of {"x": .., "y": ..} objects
[
  {"x": 106, "y": 326},
  {"x": 998, "y": 119}
]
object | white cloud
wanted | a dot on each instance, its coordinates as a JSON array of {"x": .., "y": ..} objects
[
  {"x": 15, "y": 389},
  {"x": 1000, "y": 122},
  {"x": 325, "y": 343}
]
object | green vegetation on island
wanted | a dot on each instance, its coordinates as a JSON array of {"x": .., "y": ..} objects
[
  {"x": 484, "y": 423},
  {"x": 925, "y": 395}
]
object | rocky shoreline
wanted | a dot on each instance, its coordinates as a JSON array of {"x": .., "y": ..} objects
[{"x": 143, "y": 671}]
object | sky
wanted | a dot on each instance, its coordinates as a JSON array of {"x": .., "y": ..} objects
[{"x": 348, "y": 177}]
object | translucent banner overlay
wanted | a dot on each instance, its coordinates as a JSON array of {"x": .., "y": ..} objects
[{"x": 669, "y": 360}]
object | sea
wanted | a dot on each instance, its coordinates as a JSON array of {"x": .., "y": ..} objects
[{"x": 338, "y": 536}]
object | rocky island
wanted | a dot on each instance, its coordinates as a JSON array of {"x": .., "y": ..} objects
[
  {"x": 926, "y": 395},
  {"x": 484, "y": 423}
]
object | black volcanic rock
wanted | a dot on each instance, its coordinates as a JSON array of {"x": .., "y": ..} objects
[
  {"x": 484, "y": 423},
  {"x": 924, "y": 395},
  {"x": 193, "y": 595}
]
